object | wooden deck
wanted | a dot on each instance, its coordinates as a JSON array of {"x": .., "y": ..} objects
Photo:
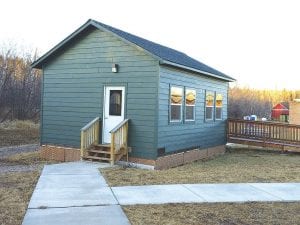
[{"x": 264, "y": 134}]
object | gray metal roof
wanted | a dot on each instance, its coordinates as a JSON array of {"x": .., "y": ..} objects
[{"x": 165, "y": 54}]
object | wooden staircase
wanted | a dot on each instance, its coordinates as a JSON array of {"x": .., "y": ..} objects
[
  {"x": 92, "y": 150},
  {"x": 98, "y": 152}
]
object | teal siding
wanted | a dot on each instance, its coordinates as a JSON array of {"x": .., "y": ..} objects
[
  {"x": 178, "y": 136},
  {"x": 74, "y": 83}
]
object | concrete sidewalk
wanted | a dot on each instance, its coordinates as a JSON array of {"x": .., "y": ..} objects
[
  {"x": 76, "y": 193},
  {"x": 207, "y": 193},
  {"x": 73, "y": 193}
]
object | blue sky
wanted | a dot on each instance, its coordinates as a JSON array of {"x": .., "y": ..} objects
[{"x": 256, "y": 41}]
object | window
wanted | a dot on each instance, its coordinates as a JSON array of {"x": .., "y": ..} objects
[
  {"x": 209, "y": 105},
  {"x": 190, "y": 100},
  {"x": 176, "y": 104},
  {"x": 219, "y": 105},
  {"x": 115, "y": 103}
]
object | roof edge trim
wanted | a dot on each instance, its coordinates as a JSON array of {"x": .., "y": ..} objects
[
  {"x": 36, "y": 64},
  {"x": 195, "y": 70}
]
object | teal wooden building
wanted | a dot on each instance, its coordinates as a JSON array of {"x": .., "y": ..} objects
[{"x": 108, "y": 92}]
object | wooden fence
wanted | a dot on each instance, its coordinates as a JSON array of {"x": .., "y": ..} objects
[{"x": 263, "y": 133}]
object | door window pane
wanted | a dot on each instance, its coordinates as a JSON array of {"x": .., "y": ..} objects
[{"x": 115, "y": 103}]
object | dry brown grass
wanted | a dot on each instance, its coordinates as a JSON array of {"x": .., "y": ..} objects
[
  {"x": 18, "y": 133},
  {"x": 15, "y": 192},
  {"x": 217, "y": 213},
  {"x": 232, "y": 167},
  {"x": 16, "y": 187}
]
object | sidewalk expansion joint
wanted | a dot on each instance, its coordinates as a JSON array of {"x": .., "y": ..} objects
[
  {"x": 75, "y": 206},
  {"x": 201, "y": 197},
  {"x": 261, "y": 190},
  {"x": 113, "y": 193}
]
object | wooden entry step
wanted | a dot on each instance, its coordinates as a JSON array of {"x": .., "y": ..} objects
[
  {"x": 99, "y": 152},
  {"x": 103, "y": 145},
  {"x": 97, "y": 158}
]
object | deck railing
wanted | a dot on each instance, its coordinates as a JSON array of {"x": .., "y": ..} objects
[
  {"x": 89, "y": 135},
  {"x": 264, "y": 132},
  {"x": 119, "y": 141}
]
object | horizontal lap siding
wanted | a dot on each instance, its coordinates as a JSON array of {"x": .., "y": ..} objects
[
  {"x": 74, "y": 85},
  {"x": 174, "y": 136}
]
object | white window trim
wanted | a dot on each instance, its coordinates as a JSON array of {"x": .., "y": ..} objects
[
  {"x": 185, "y": 105},
  {"x": 220, "y": 107},
  {"x": 181, "y": 105},
  {"x": 213, "y": 106}
]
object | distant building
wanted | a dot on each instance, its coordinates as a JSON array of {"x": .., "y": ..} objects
[{"x": 280, "y": 112}]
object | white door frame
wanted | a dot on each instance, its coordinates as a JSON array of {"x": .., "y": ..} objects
[{"x": 110, "y": 121}]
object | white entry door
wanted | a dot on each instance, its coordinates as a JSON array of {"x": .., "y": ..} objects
[{"x": 113, "y": 110}]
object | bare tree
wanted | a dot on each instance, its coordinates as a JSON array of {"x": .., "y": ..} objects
[
  {"x": 19, "y": 86},
  {"x": 246, "y": 101}
]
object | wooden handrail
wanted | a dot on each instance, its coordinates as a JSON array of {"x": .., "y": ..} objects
[
  {"x": 119, "y": 141},
  {"x": 119, "y": 125},
  {"x": 90, "y": 124},
  {"x": 265, "y": 132},
  {"x": 89, "y": 136}
]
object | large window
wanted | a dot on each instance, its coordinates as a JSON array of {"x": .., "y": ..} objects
[
  {"x": 190, "y": 100},
  {"x": 219, "y": 105},
  {"x": 209, "y": 105},
  {"x": 176, "y": 104}
]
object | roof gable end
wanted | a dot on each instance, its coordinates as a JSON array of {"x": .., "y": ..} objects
[{"x": 164, "y": 54}]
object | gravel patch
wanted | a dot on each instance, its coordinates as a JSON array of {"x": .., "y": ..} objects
[
  {"x": 9, "y": 168},
  {"x": 12, "y": 150}
]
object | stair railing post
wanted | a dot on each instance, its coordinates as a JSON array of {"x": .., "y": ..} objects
[
  {"x": 82, "y": 145},
  {"x": 97, "y": 133},
  {"x": 112, "y": 149}
]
